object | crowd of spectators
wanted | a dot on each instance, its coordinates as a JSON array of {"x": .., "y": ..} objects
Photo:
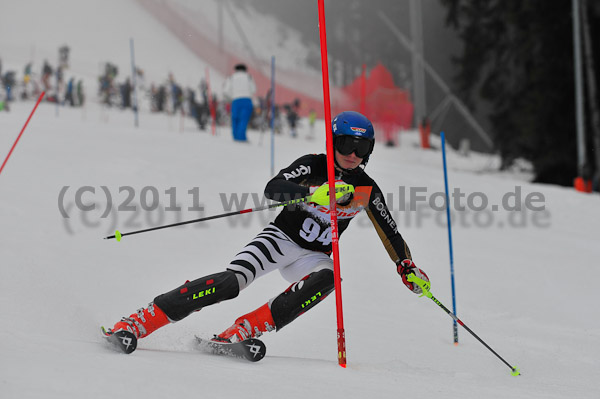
[{"x": 124, "y": 91}]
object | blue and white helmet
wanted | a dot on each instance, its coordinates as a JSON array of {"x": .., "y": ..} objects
[{"x": 354, "y": 124}]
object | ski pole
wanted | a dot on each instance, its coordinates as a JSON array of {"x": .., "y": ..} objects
[
  {"x": 118, "y": 235},
  {"x": 425, "y": 286}
]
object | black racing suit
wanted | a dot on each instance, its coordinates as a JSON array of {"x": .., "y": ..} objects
[{"x": 308, "y": 224}]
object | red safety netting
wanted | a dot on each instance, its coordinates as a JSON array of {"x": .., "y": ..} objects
[{"x": 388, "y": 106}]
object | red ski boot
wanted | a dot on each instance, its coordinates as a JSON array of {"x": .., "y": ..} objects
[
  {"x": 251, "y": 325},
  {"x": 144, "y": 322}
]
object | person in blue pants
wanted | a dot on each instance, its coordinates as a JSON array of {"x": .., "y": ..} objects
[
  {"x": 240, "y": 88},
  {"x": 241, "y": 111}
]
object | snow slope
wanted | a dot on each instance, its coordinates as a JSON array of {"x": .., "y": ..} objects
[
  {"x": 528, "y": 291},
  {"x": 96, "y": 32},
  {"x": 526, "y": 281}
]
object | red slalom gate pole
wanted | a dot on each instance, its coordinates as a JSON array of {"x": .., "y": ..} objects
[
  {"x": 22, "y": 130},
  {"x": 341, "y": 336}
]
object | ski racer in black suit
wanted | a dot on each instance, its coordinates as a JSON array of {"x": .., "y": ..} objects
[{"x": 297, "y": 243}]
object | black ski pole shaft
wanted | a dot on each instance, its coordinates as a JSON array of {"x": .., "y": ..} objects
[
  {"x": 118, "y": 234},
  {"x": 425, "y": 286}
]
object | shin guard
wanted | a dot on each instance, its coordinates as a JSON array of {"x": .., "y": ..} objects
[
  {"x": 194, "y": 295},
  {"x": 301, "y": 296}
]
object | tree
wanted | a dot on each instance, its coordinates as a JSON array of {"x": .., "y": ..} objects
[
  {"x": 518, "y": 55},
  {"x": 592, "y": 79}
]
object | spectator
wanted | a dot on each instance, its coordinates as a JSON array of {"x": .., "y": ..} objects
[
  {"x": 26, "y": 81},
  {"x": 46, "y": 73},
  {"x": 63, "y": 55},
  {"x": 312, "y": 118},
  {"x": 125, "y": 90},
  {"x": 196, "y": 110},
  {"x": 176, "y": 94},
  {"x": 239, "y": 88},
  {"x": 8, "y": 81},
  {"x": 69, "y": 92},
  {"x": 161, "y": 97},
  {"x": 292, "y": 116},
  {"x": 80, "y": 94}
]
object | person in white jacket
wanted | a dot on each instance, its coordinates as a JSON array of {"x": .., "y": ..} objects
[{"x": 239, "y": 88}]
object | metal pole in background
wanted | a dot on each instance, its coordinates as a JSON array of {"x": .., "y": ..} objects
[
  {"x": 273, "y": 116},
  {"x": 581, "y": 158},
  {"x": 416, "y": 31},
  {"x": 220, "y": 24},
  {"x": 409, "y": 45}
]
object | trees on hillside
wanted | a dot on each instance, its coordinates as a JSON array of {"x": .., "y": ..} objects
[{"x": 518, "y": 55}]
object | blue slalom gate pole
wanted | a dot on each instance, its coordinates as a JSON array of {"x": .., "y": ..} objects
[
  {"x": 273, "y": 116},
  {"x": 443, "y": 137}
]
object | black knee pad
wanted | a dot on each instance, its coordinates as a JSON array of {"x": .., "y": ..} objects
[
  {"x": 301, "y": 296},
  {"x": 194, "y": 295}
]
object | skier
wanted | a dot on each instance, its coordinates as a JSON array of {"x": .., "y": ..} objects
[
  {"x": 297, "y": 243},
  {"x": 240, "y": 87}
]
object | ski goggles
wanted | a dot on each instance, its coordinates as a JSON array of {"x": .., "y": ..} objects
[{"x": 347, "y": 145}]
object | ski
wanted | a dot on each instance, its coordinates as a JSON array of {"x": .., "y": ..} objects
[
  {"x": 251, "y": 349},
  {"x": 122, "y": 340}
]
